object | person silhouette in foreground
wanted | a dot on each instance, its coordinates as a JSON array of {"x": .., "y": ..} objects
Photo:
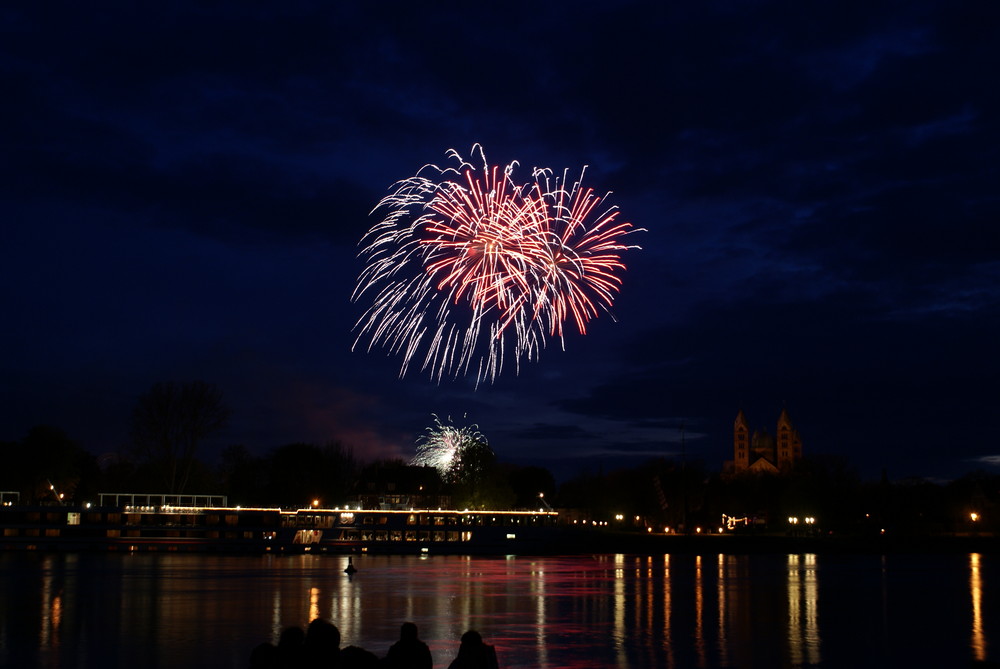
[
  {"x": 409, "y": 652},
  {"x": 290, "y": 648},
  {"x": 322, "y": 645},
  {"x": 356, "y": 657},
  {"x": 474, "y": 654},
  {"x": 264, "y": 656}
]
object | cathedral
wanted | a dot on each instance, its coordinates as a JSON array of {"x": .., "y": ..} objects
[{"x": 761, "y": 452}]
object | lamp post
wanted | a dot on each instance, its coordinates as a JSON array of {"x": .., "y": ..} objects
[{"x": 541, "y": 496}]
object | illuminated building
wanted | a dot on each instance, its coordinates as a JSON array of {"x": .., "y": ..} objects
[{"x": 760, "y": 452}]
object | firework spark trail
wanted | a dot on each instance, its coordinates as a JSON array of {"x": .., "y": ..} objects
[
  {"x": 469, "y": 268},
  {"x": 443, "y": 444}
]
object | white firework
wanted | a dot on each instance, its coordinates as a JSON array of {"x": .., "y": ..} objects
[{"x": 443, "y": 444}]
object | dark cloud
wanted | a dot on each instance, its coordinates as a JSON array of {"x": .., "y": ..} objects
[
  {"x": 546, "y": 432},
  {"x": 183, "y": 193}
]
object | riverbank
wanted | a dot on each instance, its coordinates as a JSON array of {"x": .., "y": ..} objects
[
  {"x": 399, "y": 532},
  {"x": 598, "y": 541}
]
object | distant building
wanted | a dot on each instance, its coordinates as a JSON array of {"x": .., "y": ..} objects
[
  {"x": 761, "y": 452},
  {"x": 398, "y": 486}
]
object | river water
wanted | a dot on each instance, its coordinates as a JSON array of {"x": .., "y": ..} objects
[{"x": 171, "y": 610}]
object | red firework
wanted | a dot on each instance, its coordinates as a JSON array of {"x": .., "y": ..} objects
[{"x": 464, "y": 269}]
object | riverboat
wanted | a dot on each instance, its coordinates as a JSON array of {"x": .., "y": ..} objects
[{"x": 204, "y": 523}]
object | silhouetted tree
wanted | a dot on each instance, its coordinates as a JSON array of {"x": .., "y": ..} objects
[
  {"x": 660, "y": 492},
  {"x": 528, "y": 482},
  {"x": 824, "y": 486},
  {"x": 413, "y": 485},
  {"x": 299, "y": 473},
  {"x": 975, "y": 492},
  {"x": 295, "y": 474},
  {"x": 474, "y": 461},
  {"x": 243, "y": 477},
  {"x": 170, "y": 421},
  {"x": 46, "y": 464},
  {"x": 477, "y": 481}
]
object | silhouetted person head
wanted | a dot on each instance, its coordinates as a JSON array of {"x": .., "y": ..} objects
[
  {"x": 474, "y": 654},
  {"x": 355, "y": 657},
  {"x": 409, "y": 652},
  {"x": 291, "y": 647},
  {"x": 291, "y": 636},
  {"x": 322, "y": 644},
  {"x": 264, "y": 656}
]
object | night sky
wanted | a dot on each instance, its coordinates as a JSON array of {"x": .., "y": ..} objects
[{"x": 183, "y": 194}]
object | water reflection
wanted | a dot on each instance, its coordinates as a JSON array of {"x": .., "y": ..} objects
[
  {"x": 699, "y": 613},
  {"x": 803, "y": 600},
  {"x": 976, "y": 588},
  {"x": 721, "y": 595},
  {"x": 668, "y": 644},
  {"x": 314, "y": 611},
  {"x": 46, "y": 632},
  {"x": 538, "y": 590},
  {"x": 276, "y": 617},
  {"x": 592, "y": 611}
]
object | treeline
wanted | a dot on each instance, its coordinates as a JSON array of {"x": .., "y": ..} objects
[
  {"x": 669, "y": 493},
  {"x": 47, "y": 466}
]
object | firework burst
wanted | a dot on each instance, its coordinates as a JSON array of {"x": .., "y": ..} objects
[
  {"x": 443, "y": 445},
  {"x": 468, "y": 268}
]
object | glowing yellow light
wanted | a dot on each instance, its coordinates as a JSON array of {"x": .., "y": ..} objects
[{"x": 974, "y": 516}]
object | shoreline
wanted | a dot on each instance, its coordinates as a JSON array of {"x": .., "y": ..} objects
[
  {"x": 639, "y": 544},
  {"x": 415, "y": 531},
  {"x": 579, "y": 543}
]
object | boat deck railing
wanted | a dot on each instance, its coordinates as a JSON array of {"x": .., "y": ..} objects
[{"x": 154, "y": 501}]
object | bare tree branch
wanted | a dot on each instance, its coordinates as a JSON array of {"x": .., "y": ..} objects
[{"x": 170, "y": 421}]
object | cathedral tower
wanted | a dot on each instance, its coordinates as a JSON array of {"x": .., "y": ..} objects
[
  {"x": 760, "y": 452},
  {"x": 789, "y": 442},
  {"x": 741, "y": 442}
]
